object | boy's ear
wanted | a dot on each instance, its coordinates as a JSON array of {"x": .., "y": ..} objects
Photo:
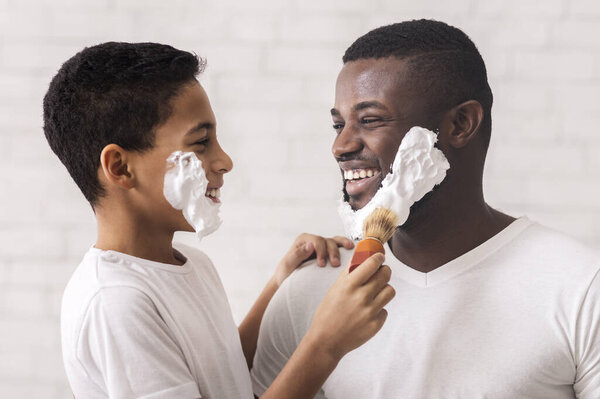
[
  {"x": 465, "y": 119},
  {"x": 115, "y": 168}
]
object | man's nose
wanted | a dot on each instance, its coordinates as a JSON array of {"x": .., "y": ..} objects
[{"x": 346, "y": 142}]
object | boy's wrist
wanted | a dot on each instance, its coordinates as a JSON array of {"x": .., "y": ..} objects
[
  {"x": 273, "y": 282},
  {"x": 319, "y": 347}
]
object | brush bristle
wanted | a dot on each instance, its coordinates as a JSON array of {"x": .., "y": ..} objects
[{"x": 380, "y": 224}]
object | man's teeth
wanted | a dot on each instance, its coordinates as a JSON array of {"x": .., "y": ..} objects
[
  {"x": 215, "y": 193},
  {"x": 359, "y": 174}
]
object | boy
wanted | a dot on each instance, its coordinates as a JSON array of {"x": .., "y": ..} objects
[{"x": 140, "y": 318}]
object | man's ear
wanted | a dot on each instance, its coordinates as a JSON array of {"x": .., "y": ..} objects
[
  {"x": 466, "y": 119},
  {"x": 115, "y": 168}
]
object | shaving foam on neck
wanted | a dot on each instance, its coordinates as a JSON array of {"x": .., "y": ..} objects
[
  {"x": 185, "y": 187},
  {"x": 418, "y": 167}
]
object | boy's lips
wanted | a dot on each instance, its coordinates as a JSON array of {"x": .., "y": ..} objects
[{"x": 214, "y": 193}]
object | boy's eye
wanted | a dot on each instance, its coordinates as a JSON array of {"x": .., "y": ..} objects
[
  {"x": 338, "y": 127},
  {"x": 201, "y": 142}
]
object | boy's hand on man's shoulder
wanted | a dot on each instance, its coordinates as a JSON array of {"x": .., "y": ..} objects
[{"x": 310, "y": 246}]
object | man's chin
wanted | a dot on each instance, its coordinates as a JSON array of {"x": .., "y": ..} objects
[{"x": 358, "y": 203}]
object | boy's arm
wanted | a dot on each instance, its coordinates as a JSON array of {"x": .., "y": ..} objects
[
  {"x": 349, "y": 315},
  {"x": 304, "y": 247}
]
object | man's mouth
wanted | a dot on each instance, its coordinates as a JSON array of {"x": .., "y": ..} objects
[
  {"x": 360, "y": 180},
  {"x": 214, "y": 194}
]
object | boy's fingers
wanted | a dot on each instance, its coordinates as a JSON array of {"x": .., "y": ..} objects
[
  {"x": 321, "y": 250},
  {"x": 333, "y": 252},
  {"x": 378, "y": 280},
  {"x": 298, "y": 254},
  {"x": 384, "y": 297},
  {"x": 344, "y": 242},
  {"x": 380, "y": 320},
  {"x": 365, "y": 270}
]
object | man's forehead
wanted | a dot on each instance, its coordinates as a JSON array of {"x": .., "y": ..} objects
[{"x": 372, "y": 79}]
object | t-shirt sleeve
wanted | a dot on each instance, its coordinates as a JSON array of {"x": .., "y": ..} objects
[
  {"x": 587, "y": 344},
  {"x": 277, "y": 340},
  {"x": 126, "y": 348}
]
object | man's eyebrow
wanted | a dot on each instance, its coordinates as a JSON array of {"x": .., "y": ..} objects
[
  {"x": 369, "y": 104},
  {"x": 360, "y": 106},
  {"x": 200, "y": 126}
]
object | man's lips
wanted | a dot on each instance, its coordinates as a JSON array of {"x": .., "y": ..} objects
[
  {"x": 360, "y": 186},
  {"x": 360, "y": 179}
]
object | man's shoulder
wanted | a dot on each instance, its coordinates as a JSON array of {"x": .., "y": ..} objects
[
  {"x": 555, "y": 256},
  {"x": 548, "y": 241},
  {"x": 304, "y": 289},
  {"x": 312, "y": 276}
]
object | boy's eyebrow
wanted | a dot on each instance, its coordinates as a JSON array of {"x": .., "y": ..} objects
[{"x": 200, "y": 126}]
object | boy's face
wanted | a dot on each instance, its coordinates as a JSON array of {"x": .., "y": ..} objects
[{"x": 190, "y": 128}]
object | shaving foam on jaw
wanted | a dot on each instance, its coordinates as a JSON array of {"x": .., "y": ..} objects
[
  {"x": 185, "y": 187},
  {"x": 418, "y": 167}
]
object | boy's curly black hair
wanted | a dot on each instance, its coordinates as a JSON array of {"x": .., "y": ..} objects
[{"x": 112, "y": 93}]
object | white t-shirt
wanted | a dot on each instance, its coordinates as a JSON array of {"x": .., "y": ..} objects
[
  {"x": 516, "y": 317},
  {"x": 133, "y": 328}
]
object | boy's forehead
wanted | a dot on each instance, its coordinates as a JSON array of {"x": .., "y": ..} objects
[
  {"x": 189, "y": 109},
  {"x": 192, "y": 106}
]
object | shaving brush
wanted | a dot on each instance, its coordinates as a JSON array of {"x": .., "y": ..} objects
[{"x": 378, "y": 228}]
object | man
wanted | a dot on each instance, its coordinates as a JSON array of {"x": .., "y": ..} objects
[{"x": 487, "y": 305}]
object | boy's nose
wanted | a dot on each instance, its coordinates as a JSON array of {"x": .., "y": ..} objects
[{"x": 222, "y": 162}]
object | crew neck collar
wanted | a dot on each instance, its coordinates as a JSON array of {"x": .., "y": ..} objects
[{"x": 122, "y": 258}]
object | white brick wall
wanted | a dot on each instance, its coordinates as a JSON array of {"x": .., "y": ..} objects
[{"x": 271, "y": 71}]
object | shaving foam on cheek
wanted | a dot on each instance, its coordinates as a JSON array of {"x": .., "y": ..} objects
[
  {"x": 185, "y": 187},
  {"x": 418, "y": 167}
]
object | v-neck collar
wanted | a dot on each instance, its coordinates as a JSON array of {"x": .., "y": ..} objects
[{"x": 457, "y": 265}]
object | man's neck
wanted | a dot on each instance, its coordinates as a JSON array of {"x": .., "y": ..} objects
[
  {"x": 126, "y": 233},
  {"x": 445, "y": 233}
]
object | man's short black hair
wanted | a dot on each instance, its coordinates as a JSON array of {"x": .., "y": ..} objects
[
  {"x": 446, "y": 63},
  {"x": 112, "y": 93}
]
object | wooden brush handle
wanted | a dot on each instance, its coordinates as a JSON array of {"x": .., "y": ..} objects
[{"x": 364, "y": 249}]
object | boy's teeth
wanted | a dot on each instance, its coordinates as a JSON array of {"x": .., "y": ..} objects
[
  {"x": 369, "y": 173},
  {"x": 215, "y": 193}
]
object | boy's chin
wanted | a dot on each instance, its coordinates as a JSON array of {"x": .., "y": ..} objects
[
  {"x": 187, "y": 228},
  {"x": 183, "y": 225}
]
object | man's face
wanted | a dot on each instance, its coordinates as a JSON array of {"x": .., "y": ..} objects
[
  {"x": 190, "y": 128},
  {"x": 375, "y": 105}
]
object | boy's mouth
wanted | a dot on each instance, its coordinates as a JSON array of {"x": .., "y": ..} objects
[
  {"x": 359, "y": 181},
  {"x": 214, "y": 194}
]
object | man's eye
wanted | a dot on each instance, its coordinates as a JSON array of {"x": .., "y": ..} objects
[
  {"x": 338, "y": 127},
  {"x": 369, "y": 120},
  {"x": 201, "y": 142}
]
